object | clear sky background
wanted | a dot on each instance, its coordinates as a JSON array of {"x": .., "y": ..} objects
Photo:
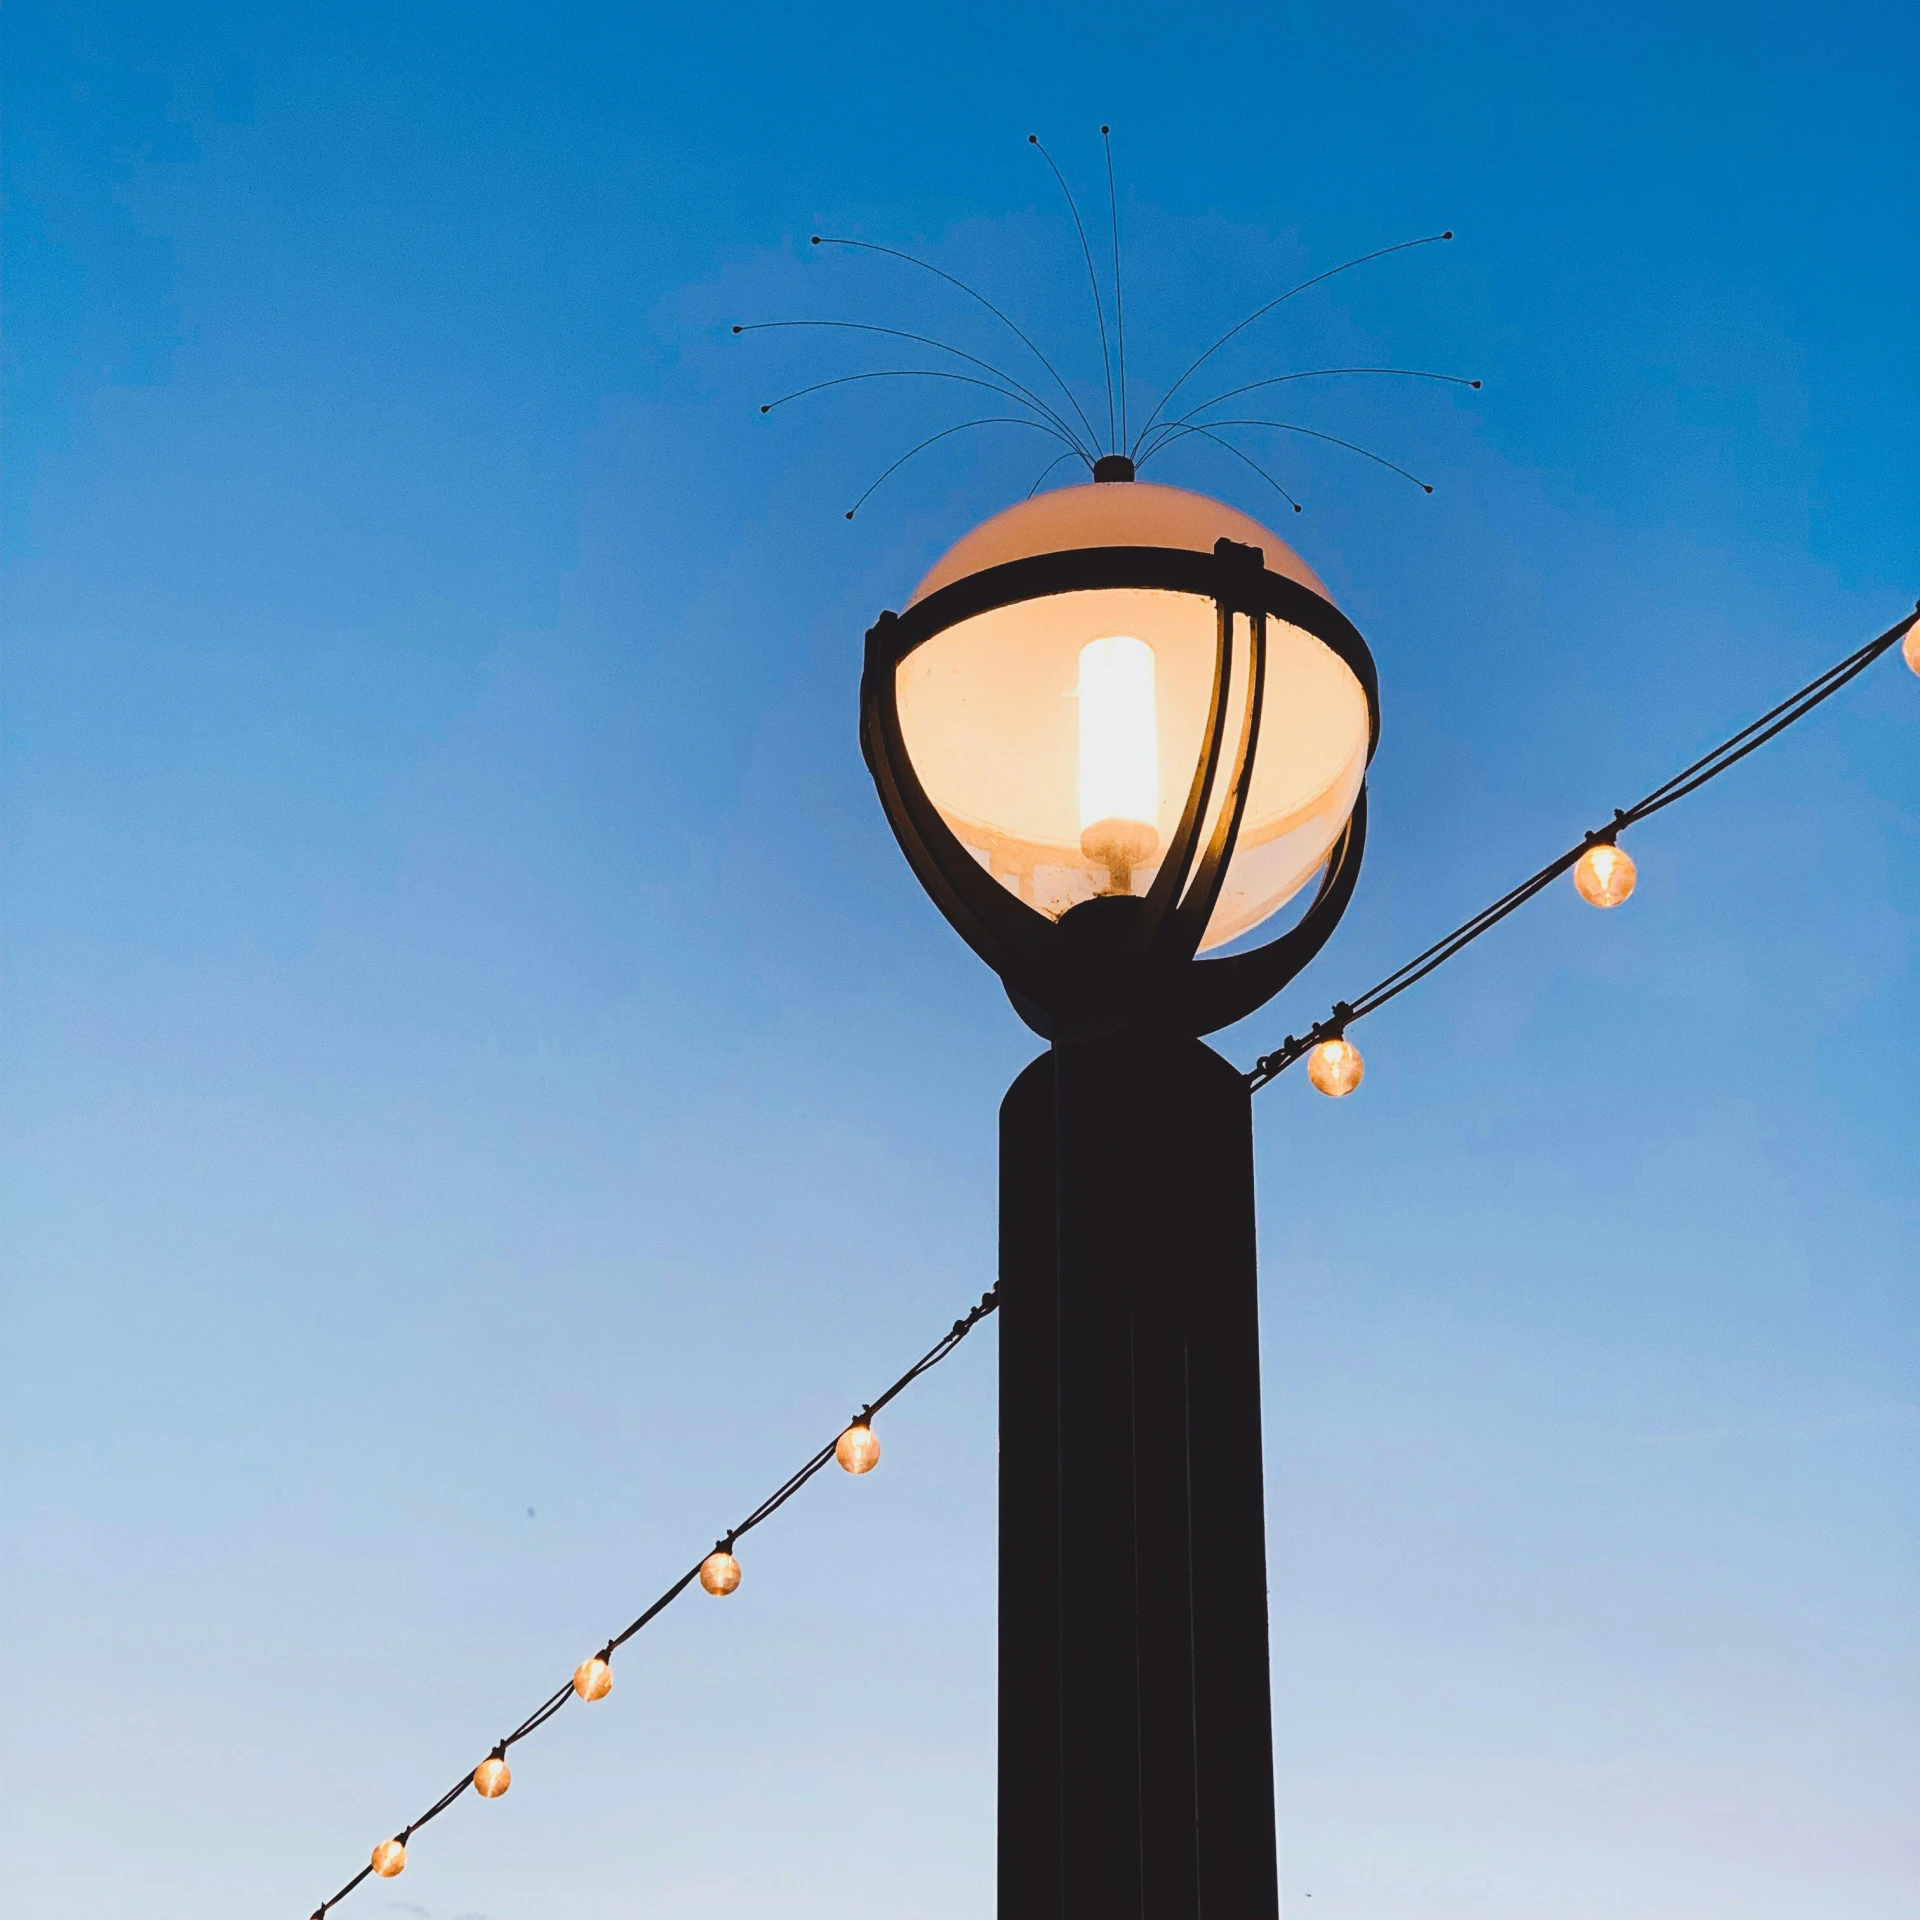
[{"x": 484, "y": 1096}]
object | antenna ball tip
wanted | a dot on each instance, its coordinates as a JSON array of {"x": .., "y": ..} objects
[
  {"x": 816, "y": 239},
  {"x": 1425, "y": 488},
  {"x": 849, "y": 513},
  {"x": 736, "y": 329},
  {"x": 1448, "y": 235},
  {"x": 1474, "y": 384},
  {"x": 768, "y": 408},
  {"x": 1298, "y": 508},
  {"x": 1033, "y": 139},
  {"x": 1106, "y": 129}
]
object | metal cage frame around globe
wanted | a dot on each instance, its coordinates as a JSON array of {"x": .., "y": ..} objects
[{"x": 1115, "y": 960}]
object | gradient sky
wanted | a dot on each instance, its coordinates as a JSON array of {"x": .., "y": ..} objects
[{"x": 484, "y": 1096}]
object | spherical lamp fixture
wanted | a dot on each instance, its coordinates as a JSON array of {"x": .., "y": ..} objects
[
  {"x": 1604, "y": 874},
  {"x": 492, "y": 1777},
  {"x": 1118, "y": 727},
  {"x": 1910, "y": 647},
  {"x": 389, "y": 1858}
]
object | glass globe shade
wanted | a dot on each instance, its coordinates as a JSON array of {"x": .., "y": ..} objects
[
  {"x": 857, "y": 1450},
  {"x": 1910, "y": 647},
  {"x": 1605, "y": 875},
  {"x": 1335, "y": 1067},
  {"x": 720, "y": 1572},
  {"x": 388, "y": 1858},
  {"x": 492, "y": 1777},
  {"x": 593, "y": 1679},
  {"x": 1059, "y": 736}
]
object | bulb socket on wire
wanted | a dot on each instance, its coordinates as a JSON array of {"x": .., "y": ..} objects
[
  {"x": 857, "y": 1450},
  {"x": 1334, "y": 1065},
  {"x": 492, "y": 1777},
  {"x": 1604, "y": 875},
  {"x": 720, "y": 1571}
]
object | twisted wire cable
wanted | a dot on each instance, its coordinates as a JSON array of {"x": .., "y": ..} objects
[
  {"x": 1690, "y": 779},
  {"x": 763, "y": 1512}
]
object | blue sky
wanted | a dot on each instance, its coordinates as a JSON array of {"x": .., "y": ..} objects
[{"x": 484, "y": 1095}]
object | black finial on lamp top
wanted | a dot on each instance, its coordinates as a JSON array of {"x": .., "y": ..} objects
[{"x": 1113, "y": 466}]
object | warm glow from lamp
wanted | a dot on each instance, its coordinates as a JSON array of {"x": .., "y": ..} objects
[
  {"x": 593, "y": 1679},
  {"x": 388, "y": 1858},
  {"x": 1032, "y": 724},
  {"x": 1335, "y": 1067},
  {"x": 720, "y": 1572},
  {"x": 1605, "y": 875},
  {"x": 856, "y": 1449},
  {"x": 1119, "y": 757},
  {"x": 1910, "y": 647},
  {"x": 492, "y": 1777}
]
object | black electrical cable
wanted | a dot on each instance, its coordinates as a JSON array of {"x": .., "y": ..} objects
[
  {"x": 764, "y": 1511},
  {"x": 1688, "y": 780}
]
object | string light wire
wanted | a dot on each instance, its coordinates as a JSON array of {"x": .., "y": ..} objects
[
  {"x": 1688, "y": 780},
  {"x": 763, "y": 1512}
]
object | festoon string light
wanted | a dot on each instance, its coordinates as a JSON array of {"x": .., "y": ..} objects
[
  {"x": 1603, "y": 872},
  {"x": 1604, "y": 875},
  {"x": 854, "y": 1448}
]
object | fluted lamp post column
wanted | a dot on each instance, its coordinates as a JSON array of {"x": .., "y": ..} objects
[{"x": 1115, "y": 730}]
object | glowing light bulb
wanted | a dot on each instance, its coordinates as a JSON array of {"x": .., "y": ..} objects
[
  {"x": 492, "y": 1777},
  {"x": 1335, "y": 1067},
  {"x": 593, "y": 1679},
  {"x": 389, "y": 1857},
  {"x": 1119, "y": 757},
  {"x": 720, "y": 1572},
  {"x": 1605, "y": 875},
  {"x": 1910, "y": 647},
  {"x": 856, "y": 1449}
]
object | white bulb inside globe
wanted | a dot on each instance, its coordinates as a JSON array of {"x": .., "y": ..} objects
[{"x": 1119, "y": 757}]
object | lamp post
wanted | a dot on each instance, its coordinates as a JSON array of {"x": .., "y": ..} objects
[{"x": 1116, "y": 728}]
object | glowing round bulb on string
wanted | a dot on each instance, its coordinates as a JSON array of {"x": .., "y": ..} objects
[
  {"x": 857, "y": 1450},
  {"x": 1910, "y": 647},
  {"x": 389, "y": 1857},
  {"x": 720, "y": 1572},
  {"x": 492, "y": 1777},
  {"x": 593, "y": 1679},
  {"x": 1335, "y": 1067},
  {"x": 1604, "y": 874}
]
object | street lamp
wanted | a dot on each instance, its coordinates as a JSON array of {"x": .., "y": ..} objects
[{"x": 1116, "y": 730}]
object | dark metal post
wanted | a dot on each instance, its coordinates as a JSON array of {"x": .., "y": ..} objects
[{"x": 1136, "y": 1752}]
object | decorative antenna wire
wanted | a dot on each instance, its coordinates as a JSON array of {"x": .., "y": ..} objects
[
  {"x": 1281, "y": 379},
  {"x": 992, "y": 420},
  {"x": 1093, "y": 281},
  {"x": 1254, "y": 464},
  {"x": 1287, "y": 426},
  {"x": 868, "y": 246},
  {"x": 1157, "y": 433},
  {"x": 917, "y": 373},
  {"x": 922, "y": 340},
  {"x": 1260, "y": 312},
  {"x": 1047, "y": 469},
  {"x": 1119, "y": 311}
]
